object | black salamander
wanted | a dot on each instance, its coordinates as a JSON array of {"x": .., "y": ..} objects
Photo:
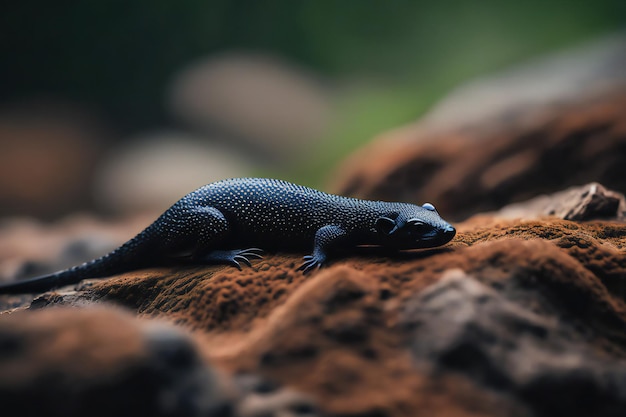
[{"x": 233, "y": 221}]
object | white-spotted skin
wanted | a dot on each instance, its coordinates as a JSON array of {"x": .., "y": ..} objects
[
  {"x": 267, "y": 211},
  {"x": 269, "y": 214}
]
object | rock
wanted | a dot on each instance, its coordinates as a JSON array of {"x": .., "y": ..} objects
[
  {"x": 538, "y": 313},
  {"x": 272, "y": 107},
  {"x": 150, "y": 173},
  {"x": 520, "y": 147},
  {"x": 587, "y": 202},
  {"x": 97, "y": 362},
  {"x": 462, "y": 325},
  {"x": 264, "y": 399},
  {"x": 29, "y": 247},
  {"x": 48, "y": 152},
  {"x": 590, "y": 68}
]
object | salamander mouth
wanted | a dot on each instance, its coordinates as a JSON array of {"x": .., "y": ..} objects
[{"x": 437, "y": 238}]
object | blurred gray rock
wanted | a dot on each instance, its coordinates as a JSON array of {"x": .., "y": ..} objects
[
  {"x": 586, "y": 202},
  {"x": 152, "y": 172},
  {"x": 263, "y": 398},
  {"x": 595, "y": 67},
  {"x": 257, "y": 100},
  {"x": 461, "y": 325}
]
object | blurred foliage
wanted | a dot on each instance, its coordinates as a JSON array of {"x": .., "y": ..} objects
[{"x": 118, "y": 55}]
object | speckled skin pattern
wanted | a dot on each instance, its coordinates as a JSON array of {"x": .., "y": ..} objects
[{"x": 234, "y": 220}]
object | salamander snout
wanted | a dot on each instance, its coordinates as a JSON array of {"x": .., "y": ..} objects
[
  {"x": 449, "y": 231},
  {"x": 446, "y": 234}
]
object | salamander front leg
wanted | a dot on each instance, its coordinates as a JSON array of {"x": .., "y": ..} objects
[{"x": 325, "y": 238}]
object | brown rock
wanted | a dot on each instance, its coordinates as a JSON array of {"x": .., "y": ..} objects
[
  {"x": 544, "y": 310},
  {"x": 474, "y": 169},
  {"x": 48, "y": 153},
  {"x": 533, "y": 131},
  {"x": 97, "y": 362},
  {"x": 29, "y": 247}
]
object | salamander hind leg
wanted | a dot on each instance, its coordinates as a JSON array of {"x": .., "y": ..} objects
[
  {"x": 325, "y": 238},
  {"x": 234, "y": 257},
  {"x": 195, "y": 234}
]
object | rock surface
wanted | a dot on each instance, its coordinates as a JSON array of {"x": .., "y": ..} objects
[
  {"x": 587, "y": 202},
  {"x": 494, "y": 338},
  {"x": 50, "y": 359},
  {"x": 99, "y": 361},
  {"x": 515, "y": 317}
]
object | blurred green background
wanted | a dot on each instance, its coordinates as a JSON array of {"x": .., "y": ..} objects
[{"x": 366, "y": 67}]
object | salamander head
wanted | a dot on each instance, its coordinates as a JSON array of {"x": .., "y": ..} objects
[{"x": 413, "y": 227}]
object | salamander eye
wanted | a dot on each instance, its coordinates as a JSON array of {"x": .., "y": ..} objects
[
  {"x": 416, "y": 227},
  {"x": 429, "y": 207},
  {"x": 416, "y": 224}
]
